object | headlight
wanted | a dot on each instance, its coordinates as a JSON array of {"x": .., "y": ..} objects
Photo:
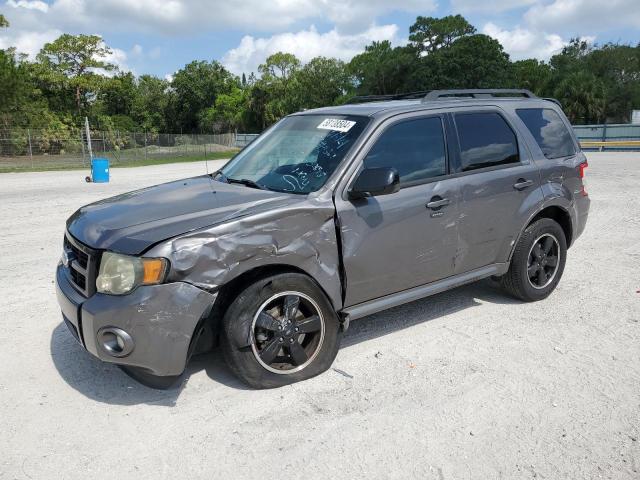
[{"x": 120, "y": 274}]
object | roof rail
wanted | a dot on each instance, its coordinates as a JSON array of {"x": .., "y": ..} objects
[
  {"x": 385, "y": 98},
  {"x": 554, "y": 100},
  {"x": 477, "y": 93}
]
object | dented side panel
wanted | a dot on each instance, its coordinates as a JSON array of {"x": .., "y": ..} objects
[{"x": 301, "y": 235}]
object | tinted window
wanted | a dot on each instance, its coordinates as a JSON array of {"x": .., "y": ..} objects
[
  {"x": 549, "y": 130},
  {"x": 415, "y": 148},
  {"x": 485, "y": 140}
]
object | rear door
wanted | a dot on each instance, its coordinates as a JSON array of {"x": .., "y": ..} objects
[
  {"x": 499, "y": 186},
  {"x": 395, "y": 242}
]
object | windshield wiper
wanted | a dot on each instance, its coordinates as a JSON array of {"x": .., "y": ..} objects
[{"x": 246, "y": 182}]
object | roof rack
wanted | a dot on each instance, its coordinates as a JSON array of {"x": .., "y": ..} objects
[
  {"x": 386, "y": 98},
  {"x": 554, "y": 100},
  {"x": 431, "y": 95},
  {"x": 477, "y": 93}
]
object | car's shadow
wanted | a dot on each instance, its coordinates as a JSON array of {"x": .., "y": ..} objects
[{"x": 106, "y": 383}]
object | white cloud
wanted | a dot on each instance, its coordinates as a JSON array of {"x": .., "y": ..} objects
[
  {"x": 491, "y": 6},
  {"x": 305, "y": 45},
  {"x": 118, "y": 58},
  {"x": 584, "y": 16},
  {"x": 179, "y": 16},
  {"x": 29, "y": 43},
  {"x": 522, "y": 43},
  {"x": 137, "y": 50},
  {"x": 29, "y": 5}
]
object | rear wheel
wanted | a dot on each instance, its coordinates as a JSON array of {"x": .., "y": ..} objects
[
  {"x": 538, "y": 261},
  {"x": 280, "y": 330}
]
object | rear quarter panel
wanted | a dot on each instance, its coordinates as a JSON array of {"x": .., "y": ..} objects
[{"x": 559, "y": 177}]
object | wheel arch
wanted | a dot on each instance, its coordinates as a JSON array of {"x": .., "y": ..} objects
[
  {"x": 230, "y": 290},
  {"x": 554, "y": 212}
]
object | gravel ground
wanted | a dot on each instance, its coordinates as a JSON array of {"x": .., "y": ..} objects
[{"x": 466, "y": 384}]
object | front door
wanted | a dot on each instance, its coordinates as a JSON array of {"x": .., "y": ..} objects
[{"x": 395, "y": 242}]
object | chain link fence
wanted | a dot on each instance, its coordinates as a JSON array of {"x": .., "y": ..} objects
[{"x": 30, "y": 149}]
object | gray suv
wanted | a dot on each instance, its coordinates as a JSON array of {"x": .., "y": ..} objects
[{"x": 330, "y": 215}]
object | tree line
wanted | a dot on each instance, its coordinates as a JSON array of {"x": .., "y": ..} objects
[{"x": 71, "y": 78}]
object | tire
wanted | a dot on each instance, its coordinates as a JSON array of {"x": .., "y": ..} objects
[
  {"x": 264, "y": 328},
  {"x": 533, "y": 274}
]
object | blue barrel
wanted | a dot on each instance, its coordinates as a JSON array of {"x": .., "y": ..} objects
[{"x": 100, "y": 170}]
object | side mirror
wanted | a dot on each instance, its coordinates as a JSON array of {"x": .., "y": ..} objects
[{"x": 375, "y": 181}]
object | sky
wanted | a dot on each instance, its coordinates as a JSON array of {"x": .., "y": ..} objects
[{"x": 160, "y": 36}]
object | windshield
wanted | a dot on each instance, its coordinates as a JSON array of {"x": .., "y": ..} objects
[{"x": 298, "y": 155}]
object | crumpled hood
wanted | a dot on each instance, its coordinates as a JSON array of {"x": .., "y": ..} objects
[{"x": 132, "y": 222}]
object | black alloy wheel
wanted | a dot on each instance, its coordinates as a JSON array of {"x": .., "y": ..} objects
[
  {"x": 287, "y": 332},
  {"x": 544, "y": 258}
]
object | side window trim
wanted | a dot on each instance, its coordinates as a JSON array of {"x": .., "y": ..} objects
[
  {"x": 391, "y": 122},
  {"x": 458, "y": 168}
]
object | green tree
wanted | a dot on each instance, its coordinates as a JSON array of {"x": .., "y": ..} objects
[
  {"x": 476, "y": 61},
  {"x": 229, "y": 112},
  {"x": 381, "y": 69},
  {"x": 152, "y": 102},
  {"x": 278, "y": 82},
  {"x": 74, "y": 60},
  {"x": 4, "y": 23},
  {"x": 196, "y": 87},
  {"x": 428, "y": 34},
  {"x": 531, "y": 74},
  {"x": 618, "y": 67},
  {"x": 583, "y": 97},
  {"x": 15, "y": 89},
  {"x": 118, "y": 94},
  {"x": 279, "y": 66},
  {"x": 322, "y": 82}
]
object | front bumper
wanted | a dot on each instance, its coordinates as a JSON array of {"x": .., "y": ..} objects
[{"x": 161, "y": 320}]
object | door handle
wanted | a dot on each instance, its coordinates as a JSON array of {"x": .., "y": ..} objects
[
  {"x": 521, "y": 184},
  {"x": 437, "y": 202}
]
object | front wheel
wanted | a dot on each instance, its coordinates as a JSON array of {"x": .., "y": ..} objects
[
  {"x": 280, "y": 330},
  {"x": 537, "y": 262}
]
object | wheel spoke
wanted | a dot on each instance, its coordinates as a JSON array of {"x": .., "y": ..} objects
[
  {"x": 266, "y": 321},
  {"x": 552, "y": 260},
  {"x": 270, "y": 351},
  {"x": 542, "y": 277},
  {"x": 548, "y": 243},
  {"x": 291, "y": 304},
  {"x": 310, "y": 324},
  {"x": 298, "y": 355},
  {"x": 532, "y": 270},
  {"x": 537, "y": 251}
]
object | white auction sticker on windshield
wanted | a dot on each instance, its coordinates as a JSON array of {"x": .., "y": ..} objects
[{"x": 336, "y": 124}]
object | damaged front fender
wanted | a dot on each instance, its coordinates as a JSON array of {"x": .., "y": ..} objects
[{"x": 302, "y": 235}]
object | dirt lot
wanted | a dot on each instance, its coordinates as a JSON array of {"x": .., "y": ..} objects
[{"x": 466, "y": 384}]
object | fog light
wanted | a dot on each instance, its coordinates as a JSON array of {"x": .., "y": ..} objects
[{"x": 115, "y": 341}]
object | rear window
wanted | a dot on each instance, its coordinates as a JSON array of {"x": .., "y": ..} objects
[
  {"x": 549, "y": 130},
  {"x": 486, "y": 140}
]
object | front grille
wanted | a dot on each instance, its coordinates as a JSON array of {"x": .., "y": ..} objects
[
  {"x": 79, "y": 279},
  {"x": 82, "y": 264}
]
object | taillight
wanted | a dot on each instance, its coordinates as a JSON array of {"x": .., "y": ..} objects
[{"x": 581, "y": 169}]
